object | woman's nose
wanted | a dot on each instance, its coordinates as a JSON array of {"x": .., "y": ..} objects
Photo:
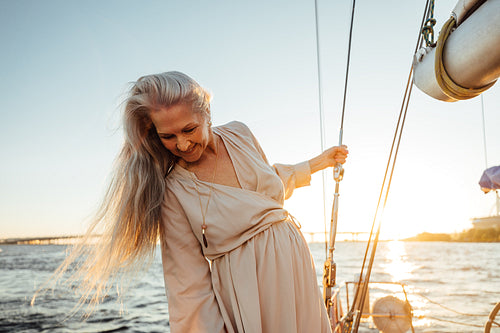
[{"x": 182, "y": 144}]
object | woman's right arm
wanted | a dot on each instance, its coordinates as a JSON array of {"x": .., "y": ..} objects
[{"x": 191, "y": 300}]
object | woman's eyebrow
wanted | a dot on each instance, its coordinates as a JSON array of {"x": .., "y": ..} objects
[{"x": 184, "y": 128}]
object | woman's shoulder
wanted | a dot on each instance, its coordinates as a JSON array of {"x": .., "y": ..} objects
[
  {"x": 239, "y": 134},
  {"x": 236, "y": 127}
]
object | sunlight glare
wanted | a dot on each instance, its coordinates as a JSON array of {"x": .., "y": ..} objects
[{"x": 396, "y": 264}]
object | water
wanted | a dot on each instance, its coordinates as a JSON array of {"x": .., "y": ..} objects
[{"x": 462, "y": 276}]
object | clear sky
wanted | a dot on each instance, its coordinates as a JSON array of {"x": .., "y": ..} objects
[{"x": 65, "y": 67}]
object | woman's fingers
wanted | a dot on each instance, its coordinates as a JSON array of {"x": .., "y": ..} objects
[{"x": 339, "y": 154}]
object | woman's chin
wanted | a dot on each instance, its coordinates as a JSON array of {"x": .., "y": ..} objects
[{"x": 191, "y": 157}]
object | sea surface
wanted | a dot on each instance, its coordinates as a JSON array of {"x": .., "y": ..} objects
[{"x": 448, "y": 284}]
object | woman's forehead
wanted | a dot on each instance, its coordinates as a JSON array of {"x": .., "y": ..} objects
[{"x": 175, "y": 118}]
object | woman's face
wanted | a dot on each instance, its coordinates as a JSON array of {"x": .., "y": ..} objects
[{"x": 182, "y": 131}]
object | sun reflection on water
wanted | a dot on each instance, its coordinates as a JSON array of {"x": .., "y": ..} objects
[
  {"x": 396, "y": 262},
  {"x": 400, "y": 269}
]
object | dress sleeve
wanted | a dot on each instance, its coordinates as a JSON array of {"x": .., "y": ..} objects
[
  {"x": 191, "y": 300},
  {"x": 292, "y": 175}
]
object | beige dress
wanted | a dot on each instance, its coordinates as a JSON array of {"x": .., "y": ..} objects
[{"x": 259, "y": 276}]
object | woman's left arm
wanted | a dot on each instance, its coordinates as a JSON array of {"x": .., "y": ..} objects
[{"x": 298, "y": 175}]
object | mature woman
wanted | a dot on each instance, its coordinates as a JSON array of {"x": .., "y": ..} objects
[{"x": 233, "y": 258}]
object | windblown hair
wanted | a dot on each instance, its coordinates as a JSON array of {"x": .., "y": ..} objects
[{"x": 128, "y": 221}]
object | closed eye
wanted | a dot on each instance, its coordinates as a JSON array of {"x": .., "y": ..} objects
[{"x": 190, "y": 130}]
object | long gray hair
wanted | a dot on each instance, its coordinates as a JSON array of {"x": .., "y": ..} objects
[{"x": 128, "y": 221}]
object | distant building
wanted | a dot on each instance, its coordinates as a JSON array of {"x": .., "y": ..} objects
[{"x": 486, "y": 222}]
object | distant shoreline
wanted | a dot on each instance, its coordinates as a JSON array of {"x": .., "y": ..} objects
[
  {"x": 50, "y": 240},
  {"x": 487, "y": 235},
  {"x": 490, "y": 235}
]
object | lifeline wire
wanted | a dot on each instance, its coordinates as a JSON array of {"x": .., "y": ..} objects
[
  {"x": 450, "y": 309},
  {"x": 454, "y": 322},
  {"x": 397, "y": 136}
]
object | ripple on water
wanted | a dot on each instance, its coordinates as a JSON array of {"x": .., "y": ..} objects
[{"x": 459, "y": 276}]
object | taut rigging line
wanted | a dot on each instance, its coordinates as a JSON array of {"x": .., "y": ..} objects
[{"x": 329, "y": 268}]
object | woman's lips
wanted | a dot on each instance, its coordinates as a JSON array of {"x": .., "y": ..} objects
[{"x": 189, "y": 151}]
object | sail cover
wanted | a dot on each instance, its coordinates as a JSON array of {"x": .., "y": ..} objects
[{"x": 490, "y": 180}]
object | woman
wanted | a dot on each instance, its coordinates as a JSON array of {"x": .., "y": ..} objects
[{"x": 207, "y": 193}]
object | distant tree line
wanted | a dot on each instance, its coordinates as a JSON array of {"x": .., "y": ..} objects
[
  {"x": 471, "y": 235},
  {"x": 479, "y": 235}
]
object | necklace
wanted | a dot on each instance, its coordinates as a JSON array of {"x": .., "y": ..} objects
[{"x": 204, "y": 211}]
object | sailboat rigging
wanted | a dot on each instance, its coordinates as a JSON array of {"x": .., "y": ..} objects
[
  {"x": 351, "y": 320},
  {"x": 441, "y": 83},
  {"x": 329, "y": 268}
]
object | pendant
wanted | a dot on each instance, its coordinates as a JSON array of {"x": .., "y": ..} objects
[
  {"x": 203, "y": 227},
  {"x": 205, "y": 241}
]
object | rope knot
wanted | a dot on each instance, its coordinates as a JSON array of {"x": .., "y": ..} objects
[{"x": 428, "y": 31}]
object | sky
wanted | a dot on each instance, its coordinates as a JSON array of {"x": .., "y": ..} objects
[{"x": 66, "y": 66}]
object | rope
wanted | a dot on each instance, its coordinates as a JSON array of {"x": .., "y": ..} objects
[
  {"x": 445, "y": 82},
  {"x": 454, "y": 322},
  {"x": 361, "y": 292},
  {"x": 428, "y": 28},
  {"x": 450, "y": 309}
]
